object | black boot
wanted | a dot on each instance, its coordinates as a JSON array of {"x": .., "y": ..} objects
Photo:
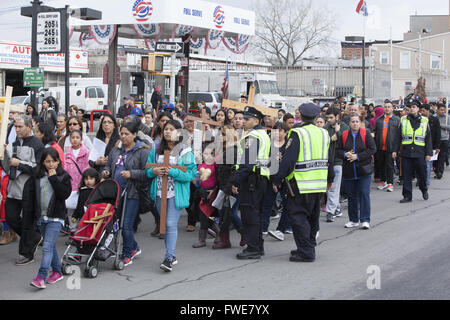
[{"x": 155, "y": 233}]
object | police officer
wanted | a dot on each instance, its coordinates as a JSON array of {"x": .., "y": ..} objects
[
  {"x": 250, "y": 181},
  {"x": 416, "y": 148},
  {"x": 307, "y": 166}
]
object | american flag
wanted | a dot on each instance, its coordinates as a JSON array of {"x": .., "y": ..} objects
[
  {"x": 226, "y": 82},
  {"x": 362, "y": 8}
]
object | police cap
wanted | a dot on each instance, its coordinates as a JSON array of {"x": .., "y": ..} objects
[
  {"x": 309, "y": 110},
  {"x": 412, "y": 102},
  {"x": 251, "y": 112}
]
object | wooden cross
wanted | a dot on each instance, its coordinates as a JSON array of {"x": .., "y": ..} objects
[
  {"x": 99, "y": 220},
  {"x": 165, "y": 181},
  {"x": 204, "y": 120},
  {"x": 251, "y": 98}
]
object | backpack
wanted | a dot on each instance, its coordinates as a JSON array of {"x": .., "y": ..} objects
[{"x": 362, "y": 132}]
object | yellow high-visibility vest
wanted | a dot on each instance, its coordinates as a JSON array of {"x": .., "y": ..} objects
[
  {"x": 263, "y": 156},
  {"x": 417, "y": 136},
  {"x": 311, "y": 169}
]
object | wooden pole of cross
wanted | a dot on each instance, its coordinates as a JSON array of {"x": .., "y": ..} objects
[
  {"x": 5, "y": 108},
  {"x": 204, "y": 120},
  {"x": 165, "y": 181},
  {"x": 251, "y": 98}
]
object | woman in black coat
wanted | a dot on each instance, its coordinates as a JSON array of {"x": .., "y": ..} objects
[{"x": 356, "y": 148}]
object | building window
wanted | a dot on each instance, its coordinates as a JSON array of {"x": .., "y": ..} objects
[
  {"x": 384, "y": 57},
  {"x": 435, "y": 62},
  {"x": 405, "y": 60}
]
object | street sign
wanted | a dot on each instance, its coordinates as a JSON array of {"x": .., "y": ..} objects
[
  {"x": 49, "y": 32},
  {"x": 33, "y": 77},
  {"x": 172, "y": 47}
]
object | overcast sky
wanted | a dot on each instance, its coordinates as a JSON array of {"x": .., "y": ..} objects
[{"x": 387, "y": 13}]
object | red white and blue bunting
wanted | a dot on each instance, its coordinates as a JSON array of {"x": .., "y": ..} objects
[
  {"x": 196, "y": 43},
  {"x": 103, "y": 34},
  {"x": 237, "y": 45},
  {"x": 84, "y": 38},
  {"x": 150, "y": 44},
  {"x": 181, "y": 31},
  {"x": 148, "y": 30}
]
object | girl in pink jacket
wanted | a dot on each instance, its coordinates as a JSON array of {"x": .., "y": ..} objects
[{"x": 76, "y": 158}]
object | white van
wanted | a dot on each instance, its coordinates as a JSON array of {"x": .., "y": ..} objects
[{"x": 87, "y": 98}]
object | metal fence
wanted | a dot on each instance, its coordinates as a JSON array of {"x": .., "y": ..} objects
[{"x": 332, "y": 81}]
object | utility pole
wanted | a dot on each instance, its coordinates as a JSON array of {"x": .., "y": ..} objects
[
  {"x": 66, "y": 61},
  {"x": 53, "y": 36},
  {"x": 392, "y": 63},
  {"x": 363, "y": 70},
  {"x": 420, "y": 55}
]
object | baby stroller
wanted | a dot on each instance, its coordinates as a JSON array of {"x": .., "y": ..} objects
[{"x": 97, "y": 236}]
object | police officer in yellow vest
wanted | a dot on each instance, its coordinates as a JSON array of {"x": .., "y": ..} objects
[
  {"x": 307, "y": 170},
  {"x": 416, "y": 147},
  {"x": 250, "y": 181}
]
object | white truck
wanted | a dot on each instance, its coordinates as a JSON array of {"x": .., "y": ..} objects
[
  {"x": 267, "y": 93},
  {"x": 86, "y": 93}
]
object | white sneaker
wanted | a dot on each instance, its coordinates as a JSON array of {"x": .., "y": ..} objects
[
  {"x": 382, "y": 186},
  {"x": 365, "y": 226},
  {"x": 351, "y": 224},
  {"x": 390, "y": 188},
  {"x": 277, "y": 235}
]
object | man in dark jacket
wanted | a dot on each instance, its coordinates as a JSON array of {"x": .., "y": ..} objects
[
  {"x": 156, "y": 99},
  {"x": 125, "y": 110},
  {"x": 435, "y": 127},
  {"x": 385, "y": 130},
  {"x": 21, "y": 157},
  {"x": 414, "y": 135}
]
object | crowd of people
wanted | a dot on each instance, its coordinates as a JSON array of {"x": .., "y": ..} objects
[{"x": 47, "y": 171}]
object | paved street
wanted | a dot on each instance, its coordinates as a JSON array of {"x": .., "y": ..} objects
[{"x": 408, "y": 244}]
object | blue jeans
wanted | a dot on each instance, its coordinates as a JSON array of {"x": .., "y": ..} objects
[
  {"x": 50, "y": 231},
  {"x": 129, "y": 215},
  {"x": 358, "y": 192},
  {"x": 173, "y": 215},
  {"x": 429, "y": 168},
  {"x": 235, "y": 219}
]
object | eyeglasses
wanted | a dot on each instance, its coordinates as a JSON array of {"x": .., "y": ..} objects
[{"x": 74, "y": 124}]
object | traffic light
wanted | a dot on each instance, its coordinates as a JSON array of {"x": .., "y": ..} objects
[{"x": 154, "y": 62}]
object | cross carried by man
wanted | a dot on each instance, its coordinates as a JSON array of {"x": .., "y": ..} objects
[
  {"x": 251, "y": 99},
  {"x": 164, "y": 187}
]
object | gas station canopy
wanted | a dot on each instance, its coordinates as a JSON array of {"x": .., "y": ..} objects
[{"x": 196, "y": 16}]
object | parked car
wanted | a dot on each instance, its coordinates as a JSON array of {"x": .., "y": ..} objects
[
  {"x": 25, "y": 100},
  {"x": 213, "y": 100}
]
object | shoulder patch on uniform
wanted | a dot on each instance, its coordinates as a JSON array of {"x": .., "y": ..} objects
[
  {"x": 247, "y": 143},
  {"x": 288, "y": 144}
]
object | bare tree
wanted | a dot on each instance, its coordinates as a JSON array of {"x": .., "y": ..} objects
[{"x": 286, "y": 30}]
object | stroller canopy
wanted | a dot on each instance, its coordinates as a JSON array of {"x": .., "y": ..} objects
[{"x": 106, "y": 191}]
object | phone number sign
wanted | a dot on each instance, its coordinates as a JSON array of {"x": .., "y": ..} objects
[{"x": 49, "y": 30}]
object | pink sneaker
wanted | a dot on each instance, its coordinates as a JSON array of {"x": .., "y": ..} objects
[
  {"x": 54, "y": 277},
  {"x": 38, "y": 282}
]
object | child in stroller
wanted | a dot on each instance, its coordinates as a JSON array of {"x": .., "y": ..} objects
[{"x": 96, "y": 231}]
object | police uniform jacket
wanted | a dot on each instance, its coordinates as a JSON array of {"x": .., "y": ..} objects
[
  {"x": 413, "y": 150},
  {"x": 290, "y": 158}
]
